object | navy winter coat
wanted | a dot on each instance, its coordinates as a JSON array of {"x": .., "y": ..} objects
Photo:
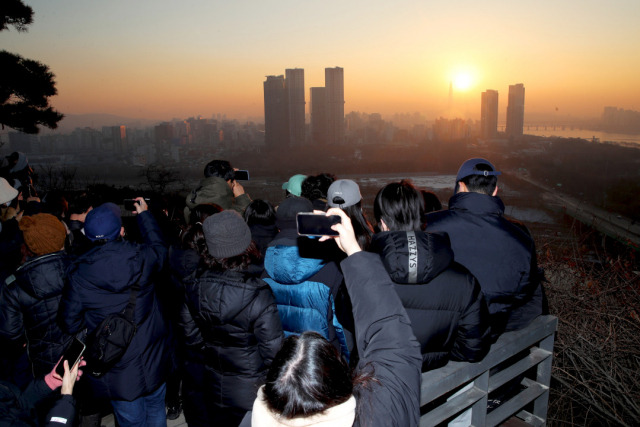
[
  {"x": 447, "y": 310},
  {"x": 500, "y": 253},
  {"x": 100, "y": 282},
  {"x": 29, "y": 306}
]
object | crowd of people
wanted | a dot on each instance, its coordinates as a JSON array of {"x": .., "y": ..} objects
[{"x": 240, "y": 319}]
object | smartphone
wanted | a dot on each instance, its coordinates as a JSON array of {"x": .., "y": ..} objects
[
  {"x": 241, "y": 175},
  {"x": 316, "y": 224},
  {"x": 72, "y": 354},
  {"x": 130, "y": 204}
]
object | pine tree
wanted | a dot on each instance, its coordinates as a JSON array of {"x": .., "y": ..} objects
[{"x": 26, "y": 84}]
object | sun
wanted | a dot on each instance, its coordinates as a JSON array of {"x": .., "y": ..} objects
[{"x": 462, "y": 81}]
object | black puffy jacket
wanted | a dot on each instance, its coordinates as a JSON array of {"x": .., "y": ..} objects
[
  {"x": 499, "y": 252},
  {"x": 447, "y": 310},
  {"x": 232, "y": 317},
  {"x": 29, "y": 307}
]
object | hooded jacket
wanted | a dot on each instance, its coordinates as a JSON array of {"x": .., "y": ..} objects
[
  {"x": 499, "y": 252},
  {"x": 303, "y": 289},
  {"x": 100, "y": 283},
  {"x": 447, "y": 310},
  {"x": 216, "y": 190},
  {"x": 29, "y": 306},
  {"x": 232, "y": 317}
]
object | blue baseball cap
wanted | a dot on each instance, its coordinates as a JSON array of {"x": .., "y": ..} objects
[
  {"x": 468, "y": 169},
  {"x": 103, "y": 222}
]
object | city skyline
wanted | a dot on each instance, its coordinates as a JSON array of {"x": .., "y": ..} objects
[{"x": 160, "y": 60}]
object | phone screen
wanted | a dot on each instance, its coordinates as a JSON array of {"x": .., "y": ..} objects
[
  {"x": 241, "y": 175},
  {"x": 129, "y": 204},
  {"x": 72, "y": 355},
  {"x": 312, "y": 224}
]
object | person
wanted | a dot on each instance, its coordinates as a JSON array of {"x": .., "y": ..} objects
[
  {"x": 345, "y": 194},
  {"x": 99, "y": 284},
  {"x": 10, "y": 236},
  {"x": 219, "y": 187},
  {"x": 315, "y": 188},
  {"x": 260, "y": 216},
  {"x": 309, "y": 384},
  {"x": 183, "y": 260},
  {"x": 448, "y": 313},
  {"x": 77, "y": 243},
  {"x": 230, "y": 316},
  {"x": 293, "y": 187},
  {"x": 498, "y": 251},
  {"x": 30, "y": 297},
  {"x": 305, "y": 283},
  {"x": 18, "y": 407}
]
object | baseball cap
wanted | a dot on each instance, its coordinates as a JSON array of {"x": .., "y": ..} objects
[
  {"x": 343, "y": 193},
  {"x": 294, "y": 185},
  {"x": 467, "y": 169}
]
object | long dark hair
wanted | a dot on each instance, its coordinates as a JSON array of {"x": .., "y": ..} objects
[
  {"x": 400, "y": 205},
  {"x": 361, "y": 226},
  {"x": 307, "y": 377}
]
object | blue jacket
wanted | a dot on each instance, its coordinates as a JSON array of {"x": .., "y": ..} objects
[
  {"x": 99, "y": 284},
  {"x": 303, "y": 293},
  {"x": 499, "y": 252}
]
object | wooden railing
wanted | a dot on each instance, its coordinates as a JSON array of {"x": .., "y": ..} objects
[{"x": 528, "y": 354}]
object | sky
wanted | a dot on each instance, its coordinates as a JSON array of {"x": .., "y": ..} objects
[{"x": 163, "y": 59}]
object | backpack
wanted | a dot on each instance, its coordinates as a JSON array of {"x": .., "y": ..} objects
[{"x": 110, "y": 339}]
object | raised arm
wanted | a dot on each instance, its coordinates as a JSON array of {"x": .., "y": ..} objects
[{"x": 384, "y": 337}]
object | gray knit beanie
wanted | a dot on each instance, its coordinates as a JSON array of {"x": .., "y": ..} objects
[{"x": 226, "y": 234}]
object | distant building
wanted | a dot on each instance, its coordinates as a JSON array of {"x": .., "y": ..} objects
[
  {"x": 515, "y": 111},
  {"x": 489, "y": 114},
  {"x": 276, "y": 113},
  {"x": 294, "y": 85},
  {"x": 334, "y": 85},
  {"x": 318, "y": 110}
]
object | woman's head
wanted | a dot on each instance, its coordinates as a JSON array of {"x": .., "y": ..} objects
[
  {"x": 260, "y": 212},
  {"x": 228, "y": 242},
  {"x": 307, "y": 377},
  {"x": 399, "y": 206},
  {"x": 345, "y": 194}
]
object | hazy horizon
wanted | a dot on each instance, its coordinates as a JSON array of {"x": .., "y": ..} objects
[{"x": 161, "y": 60}]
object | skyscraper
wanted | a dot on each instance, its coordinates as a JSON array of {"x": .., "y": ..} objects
[
  {"x": 334, "y": 85},
  {"x": 515, "y": 111},
  {"x": 276, "y": 113},
  {"x": 489, "y": 114},
  {"x": 294, "y": 84},
  {"x": 318, "y": 110}
]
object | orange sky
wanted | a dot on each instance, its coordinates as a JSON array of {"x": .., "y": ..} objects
[{"x": 162, "y": 59}]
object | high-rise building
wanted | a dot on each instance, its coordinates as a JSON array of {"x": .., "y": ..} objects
[
  {"x": 489, "y": 114},
  {"x": 515, "y": 111},
  {"x": 276, "y": 113},
  {"x": 294, "y": 84},
  {"x": 334, "y": 85},
  {"x": 318, "y": 110}
]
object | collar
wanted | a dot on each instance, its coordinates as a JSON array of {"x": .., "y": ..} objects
[{"x": 477, "y": 203}]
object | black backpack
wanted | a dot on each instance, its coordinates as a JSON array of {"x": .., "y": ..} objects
[{"x": 110, "y": 339}]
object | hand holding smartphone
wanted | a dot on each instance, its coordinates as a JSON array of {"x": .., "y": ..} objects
[
  {"x": 241, "y": 175},
  {"x": 316, "y": 224},
  {"x": 130, "y": 204},
  {"x": 72, "y": 355}
]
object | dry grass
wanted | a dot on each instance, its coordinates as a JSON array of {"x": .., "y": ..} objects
[{"x": 595, "y": 293}]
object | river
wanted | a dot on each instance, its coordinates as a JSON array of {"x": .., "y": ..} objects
[{"x": 621, "y": 138}]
